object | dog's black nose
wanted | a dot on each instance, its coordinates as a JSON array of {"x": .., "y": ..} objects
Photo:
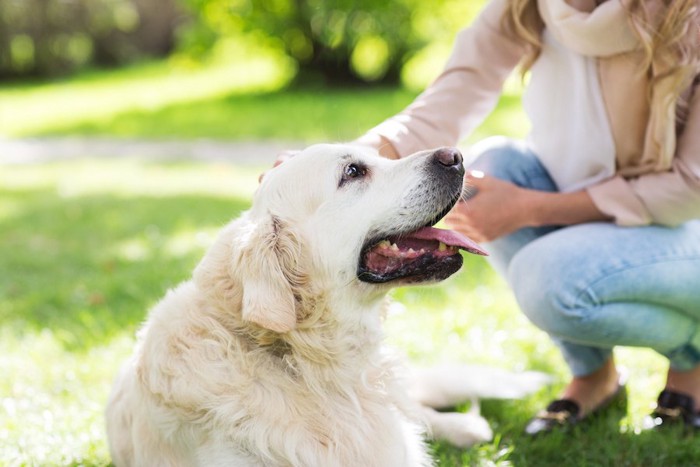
[{"x": 449, "y": 157}]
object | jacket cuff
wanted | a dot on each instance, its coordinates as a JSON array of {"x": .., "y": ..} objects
[{"x": 615, "y": 198}]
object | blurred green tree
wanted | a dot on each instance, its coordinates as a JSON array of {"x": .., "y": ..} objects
[
  {"x": 52, "y": 37},
  {"x": 339, "y": 40}
]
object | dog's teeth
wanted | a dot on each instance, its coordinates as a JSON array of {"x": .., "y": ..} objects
[
  {"x": 442, "y": 247},
  {"x": 394, "y": 247},
  {"x": 411, "y": 251},
  {"x": 384, "y": 244}
]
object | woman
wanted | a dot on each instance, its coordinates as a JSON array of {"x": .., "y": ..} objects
[{"x": 594, "y": 221}]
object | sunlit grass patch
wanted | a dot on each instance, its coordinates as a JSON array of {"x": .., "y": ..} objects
[
  {"x": 235, "y": 101},
  {"x": 52, "y": 399},
  {"x": 101, "y": 96},
  {"x": 129, "y": 177},
  {"x": 297, "y": 114},
  {"x": 87, "y": 247}
]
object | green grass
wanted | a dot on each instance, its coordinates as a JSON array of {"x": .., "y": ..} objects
[
  {"x": 222, "y": 101},
  {"x": 99, "y": 97},
  {"x": 294, "y": 114},
  {"x": 88, "y": 246}
]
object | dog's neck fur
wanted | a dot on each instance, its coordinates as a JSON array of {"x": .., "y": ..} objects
[
  {"x": 322, "y": 341},
  {"x": 335, "y": 347}
]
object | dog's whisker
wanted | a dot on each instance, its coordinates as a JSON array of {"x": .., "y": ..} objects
[
  {"x": 349, "y": 283},
  {"x": 464, "y": 198},
  {"x": 468, "y": 192}
]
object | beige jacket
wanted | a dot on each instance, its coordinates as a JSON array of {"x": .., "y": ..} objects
[{"x": 654, "y": 166}]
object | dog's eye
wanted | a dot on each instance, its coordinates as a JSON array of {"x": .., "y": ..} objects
[{"x": 354, "y": 171}]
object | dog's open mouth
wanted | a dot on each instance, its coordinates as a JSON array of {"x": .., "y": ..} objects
[{"x": 427, "y": 254}]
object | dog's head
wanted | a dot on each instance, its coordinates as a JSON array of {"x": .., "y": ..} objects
[{"x": 339, "y": 216}]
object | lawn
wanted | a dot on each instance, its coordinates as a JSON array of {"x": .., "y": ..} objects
[
  {"x": 222, "y": 101},
  {"x": 88, "y": 245}
]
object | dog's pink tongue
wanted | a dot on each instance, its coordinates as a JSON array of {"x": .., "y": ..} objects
[{"x": 449, "y": 237}]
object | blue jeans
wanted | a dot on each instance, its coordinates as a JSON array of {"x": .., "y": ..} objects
[{"x": 596, "y": 285}]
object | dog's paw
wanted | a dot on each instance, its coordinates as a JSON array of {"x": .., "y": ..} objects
[{"x": 461, "y": 429}]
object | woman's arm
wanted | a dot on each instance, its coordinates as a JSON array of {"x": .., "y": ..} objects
[
  {"x": 458, "y": 100},
  {"x": 499, "y": 208},
  {"x": 667, "y": 198}
]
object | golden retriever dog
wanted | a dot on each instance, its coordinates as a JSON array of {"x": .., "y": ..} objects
[{"x": 273, "y": 355}]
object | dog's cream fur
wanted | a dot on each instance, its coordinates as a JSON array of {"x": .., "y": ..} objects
[{"x": 272, "y": 354}]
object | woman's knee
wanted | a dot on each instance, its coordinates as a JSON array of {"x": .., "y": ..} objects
[{"x": 547, "y": 293}]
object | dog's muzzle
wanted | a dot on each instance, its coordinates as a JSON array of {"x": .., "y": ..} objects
[{"x": 422, "y": 253}]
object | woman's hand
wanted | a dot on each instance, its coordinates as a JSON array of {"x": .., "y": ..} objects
[
  {"x": 499, "y": 208},
  {"x": 496, "y": 209}
]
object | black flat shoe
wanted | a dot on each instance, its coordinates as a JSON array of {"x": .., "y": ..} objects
[
  {"x": 563, "y": 413},
  {"x": 673, "y": 408},
  {"x": 559, "y": 413}
]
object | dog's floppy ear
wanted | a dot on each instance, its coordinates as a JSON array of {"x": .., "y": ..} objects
[{"x": 270, "y": 272}]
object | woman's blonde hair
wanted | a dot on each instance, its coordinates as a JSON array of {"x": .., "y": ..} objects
[
  {"x": 672, "y": 33},
  {"x": 522, "y": 19}
]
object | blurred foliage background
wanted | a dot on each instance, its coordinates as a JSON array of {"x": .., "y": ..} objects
[
  {"x": 44, "y": 38},
  {"x": 338, "y": 41}
]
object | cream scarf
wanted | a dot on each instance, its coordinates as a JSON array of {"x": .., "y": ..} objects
[{"x": 604, "y": 32}]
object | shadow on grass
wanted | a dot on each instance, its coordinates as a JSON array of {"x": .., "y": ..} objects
[{"x": 90, "y": 267}]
